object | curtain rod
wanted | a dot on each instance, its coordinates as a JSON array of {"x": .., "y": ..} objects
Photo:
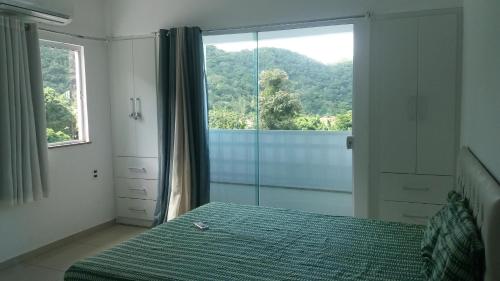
[
  {"x": 317, "y": 22},
  {"x": 73, "y": 35}
]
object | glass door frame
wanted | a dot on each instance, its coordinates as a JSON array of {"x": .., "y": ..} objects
[{"x": 361, "y": 102}]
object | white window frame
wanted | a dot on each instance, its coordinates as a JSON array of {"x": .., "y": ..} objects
[{"x": 82, "y": 113}]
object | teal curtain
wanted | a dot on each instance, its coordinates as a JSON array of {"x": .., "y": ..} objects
[
  {"x": 23, "y": 145},
  {"x": 183, "y": 124}
]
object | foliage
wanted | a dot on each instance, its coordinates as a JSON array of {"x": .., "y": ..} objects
[
  {"x": 310, "y": 122},
  {"x": 294, "y": 91},
  {"x": 278, "y": 108},
  {"x": 59, "y": 82},
  {"x": 59, "y": 136},
  {"x": 61, "y": 117},
  {"x": 221, "y": 118},
  {"x": 322, "y": 89},
  {"x": 343, "y": 122},
  {"x": 57, "y": 69}
]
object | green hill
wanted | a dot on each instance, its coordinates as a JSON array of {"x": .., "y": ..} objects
[{"x": 322, "y": 89}]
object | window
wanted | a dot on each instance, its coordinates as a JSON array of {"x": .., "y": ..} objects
[{"x": 64, "y": 90}]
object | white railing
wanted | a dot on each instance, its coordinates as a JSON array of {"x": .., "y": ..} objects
[{"x": 314, "y": 160}]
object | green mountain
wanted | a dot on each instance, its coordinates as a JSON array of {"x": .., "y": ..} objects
[{"x": 322, "y": 89}]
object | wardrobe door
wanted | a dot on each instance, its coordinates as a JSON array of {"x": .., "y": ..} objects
[
  {"x": 121, "y": 86},
  {"x": 394, "y": 83},
  {"x": 144, "y": 54},
  {"x": 437, "y": 98}
]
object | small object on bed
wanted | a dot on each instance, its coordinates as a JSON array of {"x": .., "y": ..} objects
[{"x": 201, "y": 225}]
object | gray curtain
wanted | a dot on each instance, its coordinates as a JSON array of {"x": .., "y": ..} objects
[
  {"x": 23, "y": 144},
  {"x": 183, "y": 124}
]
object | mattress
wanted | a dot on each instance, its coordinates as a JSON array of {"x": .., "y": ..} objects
[{"x": 259, "y": 243}]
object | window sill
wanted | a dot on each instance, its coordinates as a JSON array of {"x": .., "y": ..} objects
[{"x": 67, "y": 144}]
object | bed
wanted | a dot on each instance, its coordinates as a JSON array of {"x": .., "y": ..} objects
[{"x": 257, "y": 243}]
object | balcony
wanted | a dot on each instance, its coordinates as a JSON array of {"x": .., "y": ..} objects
[{"x": 306, "y": 170}]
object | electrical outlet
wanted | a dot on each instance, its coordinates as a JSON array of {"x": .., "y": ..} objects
[{"x": 95, "y": 173}]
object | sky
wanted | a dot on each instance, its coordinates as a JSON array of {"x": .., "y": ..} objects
[{"x": 325, "y": 47}]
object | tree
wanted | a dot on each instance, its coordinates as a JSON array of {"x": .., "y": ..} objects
[
  {"x": 309, "y": 122},
  {"x": 221, "y": 118},
  {"x": 61, "y": 117},
  {"x": 53, "y": 136},
  {"x": 343, "y": 122},
  {"x": 324, "y": 90},
  {"x": 57, "y": 69},
  {"x": 277, "y": 107}
]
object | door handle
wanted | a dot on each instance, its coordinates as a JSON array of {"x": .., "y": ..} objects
[
  {"x": 349, "y": 142},
  {"x": 138, "y": 109},
  {"x": 132, "y": 105}
]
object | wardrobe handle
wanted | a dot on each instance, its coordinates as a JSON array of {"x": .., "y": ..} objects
[
  {"x": 415, "y": 217},
  {"x": 138, "y": 109},
  {"x": 137, "y": 170},
  {"x": 132, "y": 105},
  {"x": 409, "y": 188},
  {"x": 412, "y": 108},
  {"x": 138, "y": 189},
  {"x": 137, "y": 210}
]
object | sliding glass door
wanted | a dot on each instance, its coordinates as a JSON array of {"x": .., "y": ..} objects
[
  {"x": 280, "y": 111},
  {"x": 231, "y": 69}
]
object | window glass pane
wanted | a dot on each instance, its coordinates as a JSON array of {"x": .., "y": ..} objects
[
  {"x": 60, "y": 71},
  {"x": 231, "y": 67},
  {"x": 305, "y": 110}
]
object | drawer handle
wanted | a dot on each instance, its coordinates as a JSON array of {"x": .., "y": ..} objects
[
  {"x": 415, "y": 217},
  {"x": 409, "y": 188},
  {"x": 137, "y": 170},
  {"x": 137, "y": 210},
  {"x": 138, "y": 189}
]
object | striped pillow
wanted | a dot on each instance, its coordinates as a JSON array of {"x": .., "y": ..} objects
[
  {"x": 458, "y": 253},
  {"x": 433, "y": 228}
]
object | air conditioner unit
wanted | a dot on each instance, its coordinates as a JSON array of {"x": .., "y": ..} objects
[{"x": 34, "y": 14}]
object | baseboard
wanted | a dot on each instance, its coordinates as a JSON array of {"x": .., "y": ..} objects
[
  {"x": 134, "y": 222},
  {"x": 56, "y": 244}
]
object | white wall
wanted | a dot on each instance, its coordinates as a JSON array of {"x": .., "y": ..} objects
[
  {"x": 132, "y": 17},
  {"x": 77, "y": 202},
  {"x": 481, "y": 81}
]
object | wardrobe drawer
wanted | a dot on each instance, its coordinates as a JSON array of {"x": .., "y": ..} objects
[
  {"x": 136, "y": 188},
  {"x": 135, "y": 208},
  {"x": 415, "y": 188},
  {"x": 136, "y": 168},
  {"x": 414, "y": 213}
]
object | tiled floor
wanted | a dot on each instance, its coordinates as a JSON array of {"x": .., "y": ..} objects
[{"x": 50, "y": 266}]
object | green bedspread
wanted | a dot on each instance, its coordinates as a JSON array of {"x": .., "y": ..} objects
[{"x": 257, "y": 243}]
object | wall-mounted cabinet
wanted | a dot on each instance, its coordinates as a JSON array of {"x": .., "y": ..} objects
[
  {"x": 133, "y": 98},
  {"x": 415, "y": 93},
  {"x": 135, "y": 128}
]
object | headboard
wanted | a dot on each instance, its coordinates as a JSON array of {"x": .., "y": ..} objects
[{"x": 483, "y": 193}]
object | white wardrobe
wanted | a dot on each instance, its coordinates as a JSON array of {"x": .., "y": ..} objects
[
  {"x": 415, "y": 78},
  {"x": 134, "y": 128}
]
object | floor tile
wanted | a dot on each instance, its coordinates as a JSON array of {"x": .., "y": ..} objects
[
  {"x": 50, "y": 266},
  {"x": 23, "y": 272},
  {"x": 111, "y": 236},
  {"x": 63, "y": 257}
]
